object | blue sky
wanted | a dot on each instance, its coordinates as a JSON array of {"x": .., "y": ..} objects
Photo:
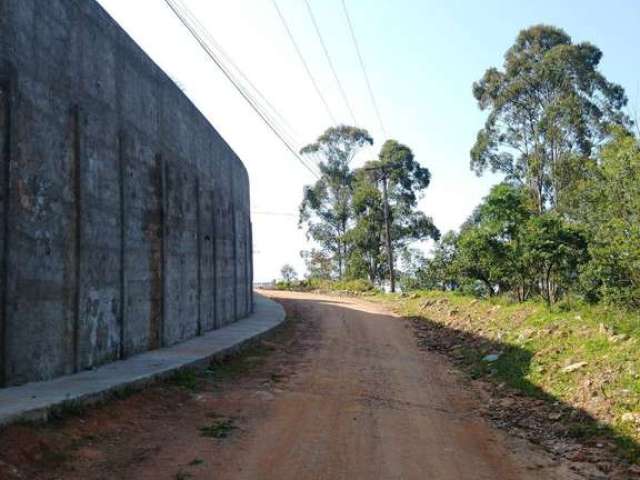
[{"x": 422, "y": 57}]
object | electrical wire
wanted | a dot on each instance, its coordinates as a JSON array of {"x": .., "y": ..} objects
[
  {"x": 201, "y": 35},
  {"x": 285, "y": 128},
  {"x": 333, "y": 70},
  {"x": 304, "y": 62},
  {"x": 364, "y": 69}
]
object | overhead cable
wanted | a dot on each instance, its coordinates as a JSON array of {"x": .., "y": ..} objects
[
  {"x": 304, "y": 62},
  {"x": 362, "y": 65},
  {"x": 206, "y": 42},
  {"x": 328, "y": 57},
  {"x": 224, "y": 62}
]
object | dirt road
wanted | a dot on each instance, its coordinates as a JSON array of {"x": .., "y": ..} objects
[
  {"x": 347, "y": 395},
  {"x": 365, "y": 403}
]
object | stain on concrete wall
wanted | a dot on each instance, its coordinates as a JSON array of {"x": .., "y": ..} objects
[{"x": 125, "y": 216}]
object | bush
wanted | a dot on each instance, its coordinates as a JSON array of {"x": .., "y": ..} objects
[{"x": 356, "y": 285}]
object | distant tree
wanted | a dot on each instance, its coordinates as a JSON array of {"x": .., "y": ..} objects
[
  {"x": 326, "y": 205},
  {"x": 367, "y": 256},
  {"x": 404, "y": 180},
  {"x": 548, "y": 107},
  {"x": 288, "y": 273},
  {"x": 318, "y": 263}
]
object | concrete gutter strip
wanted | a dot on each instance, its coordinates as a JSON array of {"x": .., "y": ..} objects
[{"x": 35, "y": 401}]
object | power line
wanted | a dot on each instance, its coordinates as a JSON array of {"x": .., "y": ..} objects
[
  {"x": 206, "y": 37},
  {"x": 304, "y": 62},
  {"x": 196, "y": 30},
  {"x": 364, "y": 70},
  {"x": 333, "y": 70}
]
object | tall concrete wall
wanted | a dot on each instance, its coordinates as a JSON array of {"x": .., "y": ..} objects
[{"x": 125, "y": 216}]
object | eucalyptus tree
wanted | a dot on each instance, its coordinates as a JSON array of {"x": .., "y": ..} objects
[
  {"x": 326, "y": 206},
  {"x": 386, "y": 199},
  {"x": 547, "y": 109}
]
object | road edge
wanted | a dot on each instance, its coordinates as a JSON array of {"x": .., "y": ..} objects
[{"x": 39, "y": 400}]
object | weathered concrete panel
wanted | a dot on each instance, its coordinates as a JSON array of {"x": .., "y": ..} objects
[
  {"x": 5, "y": 141},
  {"x": 125, "y": 216}
]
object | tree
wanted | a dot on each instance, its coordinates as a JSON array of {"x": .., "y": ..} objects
[
  {"x": 386, "y": 195},
  {"x": 482, "y": 256},
  {"x": 367, "y": 235},
  {"x": 608, "y": 203},
  {"x": 554, "y": 250},
  {"x": 489, "y": 244},
  {"x": 505, "y": 212},
  {"x": 288, "y": 274},
  {"x": 318, "y": 264},
  {"x": 326, "y": 205},
  {"x": 508, "y": 247},
  {"x": 548, "y": 108},
  {"x": 440, "y": 270}
]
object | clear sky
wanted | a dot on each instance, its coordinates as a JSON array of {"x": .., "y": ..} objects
[{"x": 422, "y": 57}]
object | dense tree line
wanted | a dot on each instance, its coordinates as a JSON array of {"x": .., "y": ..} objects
[{"x": 564, "y": 221}]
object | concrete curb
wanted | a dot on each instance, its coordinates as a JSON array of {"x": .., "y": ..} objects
[{"x": 36, "y": 401}]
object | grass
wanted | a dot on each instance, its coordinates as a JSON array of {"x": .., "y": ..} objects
[
  {"x": 351, "y": 286},
  {"x": 220, "y": 428},
  {"x": 537, "y": 344},
  {"x": 186, "y": 378}
]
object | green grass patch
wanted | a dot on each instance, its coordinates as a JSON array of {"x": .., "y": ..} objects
[
  {"x": 220, "y": 428},
  {"x": 186, "y": 378}
]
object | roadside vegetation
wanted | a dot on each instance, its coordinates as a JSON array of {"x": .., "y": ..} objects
[
  {"x": 581, "y": 359},
  {"x": 357, "y": 285},
  {"x": 543, "y": 278},
  {"x": 563, "y": 223}
]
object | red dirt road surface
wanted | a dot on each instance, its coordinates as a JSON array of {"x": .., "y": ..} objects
[{"x": 343, "y": 393}]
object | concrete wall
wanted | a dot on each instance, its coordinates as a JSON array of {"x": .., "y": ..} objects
[{"x": 125, "y": 216}]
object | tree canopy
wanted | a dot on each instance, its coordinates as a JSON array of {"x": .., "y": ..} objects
[
  {"x": 326, "y": 205},
  {"x": 564, "y": 221},
  {"x": 344, "y": 211},
  {"x": 548, "y": 107}
]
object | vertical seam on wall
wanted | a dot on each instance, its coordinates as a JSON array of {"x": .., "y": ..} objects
[
  {"x": 247, "y": 295},
  {"x": 123, "y": 244},
  {"x": 235, "y": 253},
  {"x": 5, "y": 85},
  {"x": 122, "y": 164},
  {"x": 77, "y": 185},
  {"x": 163, "y": 249},
  {"x": 253, "y": 304},
  {"x": 199, "y": 254},
  {"x": 214, "y": 262},
  {"x": 234, "y": 240}
]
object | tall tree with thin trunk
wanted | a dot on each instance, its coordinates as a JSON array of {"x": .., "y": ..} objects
[
  {"x": 385, "y": 207},
  {"x": 548, "y": 107},
  {"x": 326, "y": 205}
]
